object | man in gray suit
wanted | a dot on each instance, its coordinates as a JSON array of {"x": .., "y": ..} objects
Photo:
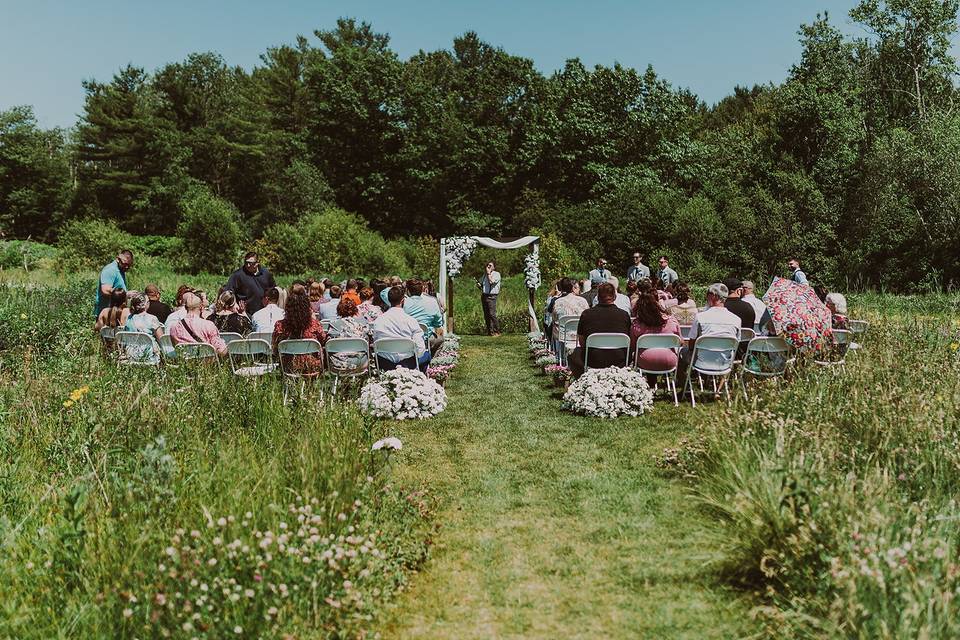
[{"x": 489, "y": 290}]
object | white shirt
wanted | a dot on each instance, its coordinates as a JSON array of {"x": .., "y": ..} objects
[
  {"x": 264, "y": 319},
  {"x": 328, "y": 310},
  {"x": 491, "y": 283},
  {"x": 757, "y": 304},
  {"x": 397, "y": 323},
  {"x": 175, "y": 316},
  {"x": 715, "y": 321},
  {"x": 623, "y": 302}
]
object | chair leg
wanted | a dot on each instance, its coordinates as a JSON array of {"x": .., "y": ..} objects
[
  {"x": 693, "y": 395},
  {"x": 672, "y": 384}
]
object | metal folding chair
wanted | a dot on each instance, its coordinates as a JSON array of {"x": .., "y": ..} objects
[
  {"x": 858, "y": 329},
  {"x": 766, "y": 357},
  {"x": 346, "y": 347},
  {"x": 290, "y": 349},
  {"x": 660, "y": 341},
  {"x": 261, "y": 335},
  {"x": 251, "y": 358},
  {"x": 712, "y": 357},
  {"x": 135, "y": 348},
  {"x": 230, "y": 336},
  {"x": 401, "y": 348},
  {"x": 836, "y": 355},
  {"x": 567, "y": 326},
  {"x": 197, "y": 353},
  {"x": 606, "y": 342}
]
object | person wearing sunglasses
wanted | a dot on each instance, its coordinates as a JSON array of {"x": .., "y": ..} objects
[
  {"x": 249, "y": 283},
  {"x": 638, "y": 271}
]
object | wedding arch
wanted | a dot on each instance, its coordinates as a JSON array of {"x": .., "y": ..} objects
[{"x": 454, "y": 251}]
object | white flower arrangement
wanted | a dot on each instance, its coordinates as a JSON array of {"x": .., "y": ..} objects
[
  {"x": 531, "y": 269},
  {"x": 402, "y": 394},
  {"x": 458, "y": 250},
  {"x": 608, "y": 393},
  {"x": 387, "y": 443},
  {"x": 543, "y": 361}
]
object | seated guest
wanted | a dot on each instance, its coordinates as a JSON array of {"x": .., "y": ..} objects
[
  {"x": 194, "y": 329},
  {"x": 349, "y": 325},
  {"x": 379, "y": 286},
  {"x": 368, "y": 310},
  {"x": 180, "y": 312},
  {"x": 228, "y": 318},
  {"x": 206, "y": 309},
  {"x": 633, "y": 292},
  {"x": 114, "y": 316},
  {"x": 587, "y": 292},
  {"x": 837, "y": 303},
  {"x": 649, "y": 317},
  {"x": 393, "y": 281},
  {"x": 265, "y": 318},
  {"x": 567, "y": 303},
  {"x": 685, "y": 311},
  {"x": 426, "y": 311},
  {"x": 621, "y": 300},
  {"x": 430, "y": 290},
  {"x": 328, "y": 310},
  {"x": 156, "y": 308},
  {"x": 759, "y": 308},
  {"x": 715, "y": 320},
  {"x": 552, "y": 295},
  {"x": 316, "y": 296},
  {"x": 299, "y": 323},
  {"x": 350, "y": 292},
  {"x": 396, "y": 323},
  {"x": 606, "y": 317},
  {"x": 738, "y": 307},
  {"x": 141, "y": 320}
]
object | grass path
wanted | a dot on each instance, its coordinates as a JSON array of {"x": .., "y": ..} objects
[{"x": 553, "y": 526}]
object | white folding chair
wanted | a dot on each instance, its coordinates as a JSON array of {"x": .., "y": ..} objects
[
  {"x": 567, "y": 328},
  {"x": 135, "y": 348},
  {"x": 766, "y": 357},
  {"x": 251, "y": 358},
  {"x": 346, "y": 347},
  {"x": 660, "y": 341},
  {"x": 398, "y": 348},
  {"x": 746, "y": 334},
  {"x": 230, "y": 336},
  {"x": 290, "y": 349},
  {"x": 108, "y": 337},
  {"x": 605, "y": 342},
  {"x": 261, "y": 335},
  {"x": 168, "y": 353},
  {"x": 325, "y": 325},
  {"x": 197, "y": 352},
  {"x": 835, "y": 356},
  {"x": 712, "y": 357},
  {"x": 685, "y": 331},
  {"x": 857, "y": 328}
]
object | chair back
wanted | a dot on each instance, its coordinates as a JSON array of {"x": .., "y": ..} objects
[
  {"x": 766, "y": 357},
  {"x": 347, "y": 346},
  {"x": 841, "y": 336},
  {"x": 325, "y": 325},
  {"x": 746, "y": 334},
  {"x": 196, "y": 351},
  {"x": 403, "y": 348},
  {"x": 685, "y": 331},
  {"x": 250, "y": 357},
  {"x": 230, "y": 336},
  {"x": 656, "y": 341},
  {"x": 134, "y": 347},
  {"x": 424, "y": 329},
  {"x": 607, "y": 341},
  {"x": 167, "y": 351},
  {"x": 261, "y": 335},
  {"x": 335, "y": 326},
  {"x": 714, "y": 354},
  {"x": 288, "y": 349},
  {"x": 858, "y": 327},
  {"x": 108, "y": 334},
  {"x": 569, "y": 329},
  {"x": 562, "y": 323}
]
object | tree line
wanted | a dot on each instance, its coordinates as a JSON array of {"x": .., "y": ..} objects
[{"x": 852, "y": 163}]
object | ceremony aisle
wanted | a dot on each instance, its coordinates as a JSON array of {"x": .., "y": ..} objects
[{"x": 553, "y": 525}]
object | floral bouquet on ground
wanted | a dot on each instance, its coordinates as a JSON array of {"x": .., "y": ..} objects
[
  {"x": 561, "y": 375},
  {"x": 546, "y": 360},
  {"x": 541, "y": 353},
  {"x": 536, "y": 341},
  {"x": 440, "y": 373},
  {"x": 608, "y": 393},
  {"x": 402, "y": 394}
]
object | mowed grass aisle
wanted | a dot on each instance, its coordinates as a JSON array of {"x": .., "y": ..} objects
[{"x": 552, "y": 525}]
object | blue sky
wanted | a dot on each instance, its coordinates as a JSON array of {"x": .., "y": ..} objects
[{"x": 47, "y": 48}]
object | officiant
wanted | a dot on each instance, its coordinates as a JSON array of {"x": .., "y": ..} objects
[{"x": 489, "y": 290}]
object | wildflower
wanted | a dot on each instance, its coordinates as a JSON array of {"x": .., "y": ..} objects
[
  {"x": 249, "y": 593},
  {"x": 954, "y": 346},
  {"x": 238, "y": 629},
  {"x": 23, "y": 316},
  {"x": 29, "y": 565},
  {"x": 127, "y": 612},
  {"x": 170, "y": 551},
  {"x": 222, "y": 522},
  {"x": 160, "y": 599},
  {"x": 67, "y": 404}
]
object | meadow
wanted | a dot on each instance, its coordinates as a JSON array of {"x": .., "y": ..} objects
[{"x": 151, "y": 504}]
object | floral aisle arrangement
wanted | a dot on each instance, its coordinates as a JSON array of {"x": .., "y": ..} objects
[
  {"x": 446, "y": 360},
  {"x": 531, "y": 269},
  {"x": 561, "y": 375},
  {"x": 545, "y": 360},
  {"x": 536, "y": 341},
  {"x": 402, "y": 394},
  {"x": 608, "y": 393},
  {"x": 458, "y": 250}
]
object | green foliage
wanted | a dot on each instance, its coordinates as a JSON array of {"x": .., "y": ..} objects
[
  {"x": 210, "y": 232},
  {"x": 90, "y": 244},
  {"x": 24, "y": 254},
  {"x": 557, "y": 259}
]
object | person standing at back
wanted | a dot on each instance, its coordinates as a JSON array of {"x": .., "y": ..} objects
[
  {"x": 249, "y": 283},
  {"x": 666, "y": 275},
  {"x": 796, "y": 274},
  {"x": 112, "y": 276},
  {"x": 600, "y": 274},
  {"x": 489, "y": 290},
  {"x": 637, "y": 271}
]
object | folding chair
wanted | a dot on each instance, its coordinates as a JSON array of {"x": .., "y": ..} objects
[
  {"x": 325, "y": 325},
  {"x": 660, "y": 341},
  {"x": 858, "y": 328},
  {"x": 288, "y": 350},
  {"x": 746, "y": 335},
  {"x": 135, "y": 348},
  {"x": 720, "y": 352},
  {"x": 261, "y": 335},
  {"x": 604, "y": 342},
  {"x": 836, "y": 355},
  {"x": 765, "y": 358},
  {"x": 346, "y": 346},
  {"x": 197, "y": 353},
  {"x": 559, "y": 347},
  {"x": 251, "y": 358},
  {"x": 402, "y": 348},
  {"x": 685, "y": 331},
  {"x": 230, "y": 336},
  {"x": 334, "y": 327},
  {"x": 168, "y": 353}
]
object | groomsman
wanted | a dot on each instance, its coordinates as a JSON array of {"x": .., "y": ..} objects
[{"x": 638, "y": 271}]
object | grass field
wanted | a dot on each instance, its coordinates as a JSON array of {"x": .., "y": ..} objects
[{"x": 825, "y": 507}]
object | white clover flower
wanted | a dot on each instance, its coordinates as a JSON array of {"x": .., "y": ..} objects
[{"x": 387, "y": 443}]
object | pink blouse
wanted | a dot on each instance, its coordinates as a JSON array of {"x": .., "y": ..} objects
[{"x": 204, "y": 329}]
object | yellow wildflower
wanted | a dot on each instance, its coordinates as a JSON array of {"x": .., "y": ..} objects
[
  {"x": 954, "y": 346},
  {"x": 85, "y": 389},
  {"x": 67, "y": 404},
  {"x": 75, "y": 395}
]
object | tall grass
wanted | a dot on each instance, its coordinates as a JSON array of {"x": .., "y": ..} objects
[
  {"x": 177, "y": 503},
  {"x": 835, "y": 496}
]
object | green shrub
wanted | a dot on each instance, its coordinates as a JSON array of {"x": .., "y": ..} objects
[
  {"x": 213, "y": 239},
  {"x": 85, "y": 245},
  {"x": 168, "y": 247},
  {"x": 25, "y": 254},
  {"x": 557, "y": 260}
]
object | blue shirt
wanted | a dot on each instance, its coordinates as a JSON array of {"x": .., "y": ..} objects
[
  {"x": 425, "y": 310},
  {"x": 799, "y": 277},
  {"x": 110, "y": 275}
]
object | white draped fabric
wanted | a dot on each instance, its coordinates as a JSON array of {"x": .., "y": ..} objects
[{"x": 484, "y": 242}]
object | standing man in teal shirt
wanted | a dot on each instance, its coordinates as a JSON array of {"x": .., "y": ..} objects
[{"x": 112, "y": 276}]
